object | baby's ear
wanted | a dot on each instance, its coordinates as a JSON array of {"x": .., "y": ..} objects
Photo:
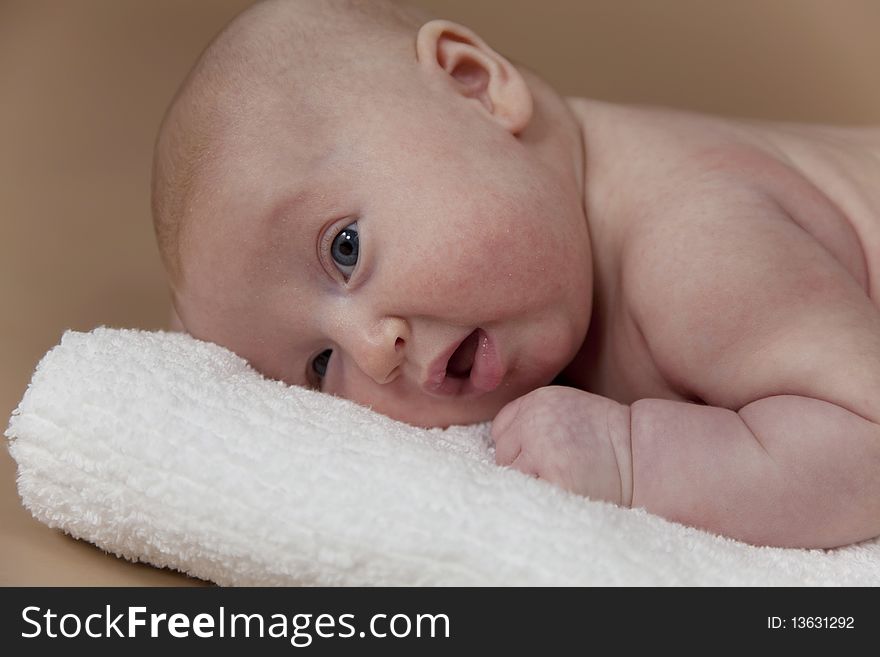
[{"x": 476, "y": 71}]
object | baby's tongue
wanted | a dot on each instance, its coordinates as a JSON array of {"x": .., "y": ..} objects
[{"x": 461, "y": 361}]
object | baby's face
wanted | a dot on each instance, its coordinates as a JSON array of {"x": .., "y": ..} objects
[{"x": 382, "y": 238}]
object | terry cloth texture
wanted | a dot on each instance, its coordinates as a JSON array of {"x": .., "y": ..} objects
[{"x": 161, "y": 448}]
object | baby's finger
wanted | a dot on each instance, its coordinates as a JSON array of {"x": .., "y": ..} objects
[
  {"x": 507, "y": 451},
  {"x": 524, "y": 464},
  {"x": 504, "y": 434}
]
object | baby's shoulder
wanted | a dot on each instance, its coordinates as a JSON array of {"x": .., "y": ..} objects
[
  {"x": 717, "y": 239},
  {"x": 734, "y": 298},
  {"x": 750, "y": 184},
  {"x": 657, "y": 173}
]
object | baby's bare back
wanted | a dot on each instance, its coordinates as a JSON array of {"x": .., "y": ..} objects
[
  {"x": 843, "y": 163},
  {"x": 642, "y": 162}
]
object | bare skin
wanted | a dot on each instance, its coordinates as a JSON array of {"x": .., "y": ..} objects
[
  {"x": 738, "y": 337},
  {"x": 703, "y": 291}
]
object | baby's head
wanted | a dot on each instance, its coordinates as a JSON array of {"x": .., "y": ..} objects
[{"x": 359, "y": 181}]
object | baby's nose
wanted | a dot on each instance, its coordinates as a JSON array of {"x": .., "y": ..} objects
[{"x": 378, "y": 353}]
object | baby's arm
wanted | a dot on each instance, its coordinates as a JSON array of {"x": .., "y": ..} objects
[
  {"x": 786, "y": 470},
  {"x": 744, "y": 309}
]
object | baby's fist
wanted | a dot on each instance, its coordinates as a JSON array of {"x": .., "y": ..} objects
[{"x": 569, "y": 437}]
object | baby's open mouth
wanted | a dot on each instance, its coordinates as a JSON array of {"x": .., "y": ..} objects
[
  {"x": 462, "y": 359},
  {"x": 473, "y": 368}
]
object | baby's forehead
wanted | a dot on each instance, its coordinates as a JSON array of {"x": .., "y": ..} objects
[{"x": 264, "y": 180}]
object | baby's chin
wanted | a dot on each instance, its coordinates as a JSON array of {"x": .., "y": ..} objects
[
  {"x": 433, "y": 413},
  {"x": 467, "y": 413}
]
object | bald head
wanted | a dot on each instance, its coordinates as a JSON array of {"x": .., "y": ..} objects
[{"x": 297, "y": 54}]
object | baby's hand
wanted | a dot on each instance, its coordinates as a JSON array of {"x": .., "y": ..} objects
[{"x": 568, "y": 437}]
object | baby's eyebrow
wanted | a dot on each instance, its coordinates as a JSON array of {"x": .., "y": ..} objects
[
  {"x": 284, "y": 226},
  {"x": 285, "y": 210}
]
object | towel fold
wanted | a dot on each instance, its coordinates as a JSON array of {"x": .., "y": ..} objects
[{"x": 161, "y": 448}]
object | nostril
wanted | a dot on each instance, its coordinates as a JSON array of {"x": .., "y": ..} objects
[{"x": 398, "y": 345}]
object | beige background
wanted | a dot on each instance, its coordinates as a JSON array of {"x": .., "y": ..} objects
[{"x": 83, "y": 85}]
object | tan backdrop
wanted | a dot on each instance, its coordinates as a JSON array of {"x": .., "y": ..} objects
[{"x": 83, "y": 85}]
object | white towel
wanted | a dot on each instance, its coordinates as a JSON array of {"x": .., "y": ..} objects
[{"x": 164, "y": 449}]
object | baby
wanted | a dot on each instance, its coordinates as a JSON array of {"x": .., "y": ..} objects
[{"x": 702, "y": 292}]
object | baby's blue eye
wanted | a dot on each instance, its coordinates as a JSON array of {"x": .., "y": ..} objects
[
  {"x": 344, "y": 249},
  {"x": 319, "y": 365}
]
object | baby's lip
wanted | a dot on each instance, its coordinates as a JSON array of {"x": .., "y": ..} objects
[
  {"x": 486, "y": 371},
  {"x": 433, "y": 383}
]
